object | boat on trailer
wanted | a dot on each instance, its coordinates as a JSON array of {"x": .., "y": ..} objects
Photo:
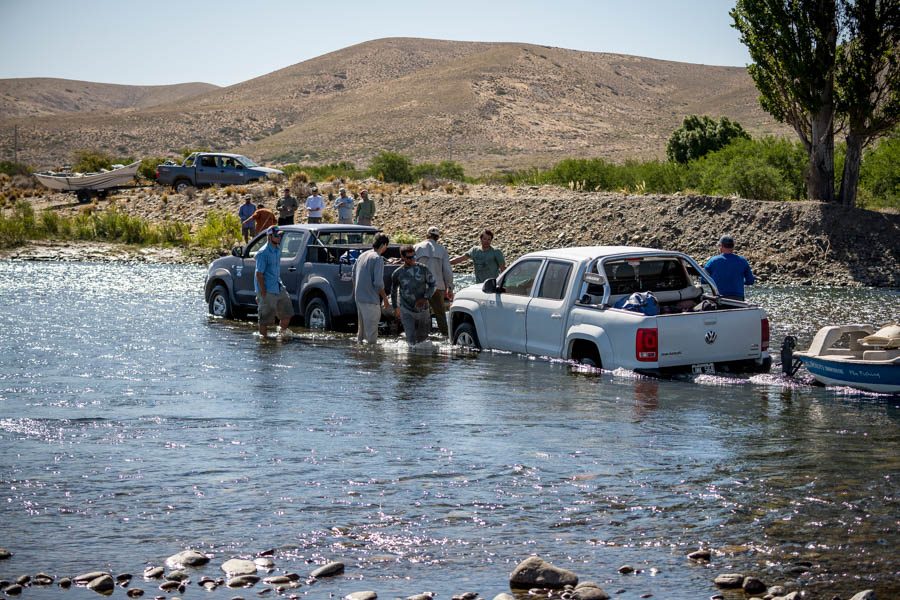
[
  {"x": 89, "y": 182},
  {"x": 856, "y": 356}
]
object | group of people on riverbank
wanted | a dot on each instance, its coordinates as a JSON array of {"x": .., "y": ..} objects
[{"x": 256, "y": 217}]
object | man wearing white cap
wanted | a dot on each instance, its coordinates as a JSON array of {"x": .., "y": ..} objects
[
  {"x": 344, "y": 206},
  {"x": 435, "y": 257}
]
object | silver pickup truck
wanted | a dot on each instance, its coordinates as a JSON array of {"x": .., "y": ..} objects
[
  {"x": 209, "y": 168},
  {"x": 316, "y": 268}
]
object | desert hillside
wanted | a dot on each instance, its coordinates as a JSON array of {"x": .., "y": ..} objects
[
  {"x": 486, "y": 105},
  {"x": 40, "y": 96}
]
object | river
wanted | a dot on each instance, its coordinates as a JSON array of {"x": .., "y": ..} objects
[{"x": 133, "y": 425}]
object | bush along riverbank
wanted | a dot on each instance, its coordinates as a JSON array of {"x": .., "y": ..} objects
[
  {"x": 790, "y": 243},
  {"x": 533, "y": 577}
]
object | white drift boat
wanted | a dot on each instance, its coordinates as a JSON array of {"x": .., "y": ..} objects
[
  {"x": 73, "y": 182},
  {"x": 854, "y": 356}
]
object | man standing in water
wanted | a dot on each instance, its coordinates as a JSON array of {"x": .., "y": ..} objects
[
  {"x": 489, "y": 262},
  {"x": 435, "y": 257},
  {"x": 414, "y": 285},
  {"x": 368, "y": 285},
  {"x": 271, "y": 295},
  {"x": 730, "y": 271}
]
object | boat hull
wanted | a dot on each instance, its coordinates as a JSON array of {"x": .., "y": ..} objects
[
  {"x": 883, "y": 378},
  {"x": 99, "y": 181}
]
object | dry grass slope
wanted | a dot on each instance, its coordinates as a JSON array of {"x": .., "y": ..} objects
[{"x": 486, "y": 105}]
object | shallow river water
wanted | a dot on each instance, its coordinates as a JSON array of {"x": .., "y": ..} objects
[{"x": 133, "y": 425}]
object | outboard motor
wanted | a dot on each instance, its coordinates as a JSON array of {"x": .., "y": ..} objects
[{"x": 789, "y": 366}]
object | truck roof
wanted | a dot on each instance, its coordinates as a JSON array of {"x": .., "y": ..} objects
[
  {"x": 326, "y": 227},
  {"x": 591, "y": 252}
]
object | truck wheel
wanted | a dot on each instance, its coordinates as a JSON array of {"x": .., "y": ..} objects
[
  {"x": 83, "y": 196},
  {"x": 317, "y": 315},
  {"x": 181, "y": 185},
  {"x": 465, "y": 335},
  {"x": 220, "y": 303}
]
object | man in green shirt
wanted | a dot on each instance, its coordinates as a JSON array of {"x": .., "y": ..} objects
[
  {"x": 365, "y": 210},
  {"x": 489, "y": 262}
]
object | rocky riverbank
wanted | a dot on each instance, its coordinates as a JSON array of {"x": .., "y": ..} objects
[
  {"x": 532, "y": 577},
  {"x": 796, "y": 243}
]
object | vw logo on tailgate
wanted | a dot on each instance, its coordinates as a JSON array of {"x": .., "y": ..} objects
[{"x": 710, "y": 337}]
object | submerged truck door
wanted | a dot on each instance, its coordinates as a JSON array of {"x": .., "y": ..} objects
[{"x": 546, "y": 317}]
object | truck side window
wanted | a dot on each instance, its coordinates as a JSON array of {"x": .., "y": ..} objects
[
  {"x": 553, "y": 284},
  {"x": 291, "y": 245},
  {"x": 208, "y": 161},
  {"x": 519, "y": 279}
]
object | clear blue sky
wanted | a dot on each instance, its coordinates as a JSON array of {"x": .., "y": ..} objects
[{"x": 154, "y": 43}]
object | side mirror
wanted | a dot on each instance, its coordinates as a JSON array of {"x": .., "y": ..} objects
[
  {"x": 237, "y": 251},
  {"x": 489, "y": 286}
]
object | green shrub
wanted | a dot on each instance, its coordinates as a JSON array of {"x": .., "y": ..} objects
[
  {"x": 15, "y": 168},
  {"x": 220, "y": 231},
  {"x": 879, "y": 175},
  {"x": 185, "y": 152},
  {"x": 699, "y": 136},
  {"x": 343, "y": 169},
  {"x": 391, "y": 166},
  {"x": 49, "y": 222},
  {"x": 404, "y": 238},
  {"x": 89, "y": 161},
  {"x": 174, "y": 232},
  {"x": 446, "y": 169},
  {"x": 12, "y": 232},
  {"x": 147, "y": 170}
]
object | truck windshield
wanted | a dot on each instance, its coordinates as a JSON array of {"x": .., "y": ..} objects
[
  {"x": 347, "y": 238},
  {"x": 247, "y": 162}
]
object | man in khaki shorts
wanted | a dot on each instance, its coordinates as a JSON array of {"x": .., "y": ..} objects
[{"x": 271, "y": 295}]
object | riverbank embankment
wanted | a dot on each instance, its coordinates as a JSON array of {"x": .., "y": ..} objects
[{"x": 787, "y": 243}]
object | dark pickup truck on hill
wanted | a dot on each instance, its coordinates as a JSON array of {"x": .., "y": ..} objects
[
  {"x": 316, "y": 268},
  {"x": 208, "y": 168}
]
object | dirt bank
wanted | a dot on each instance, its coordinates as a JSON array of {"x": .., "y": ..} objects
[{"x": 804, "y": 243}]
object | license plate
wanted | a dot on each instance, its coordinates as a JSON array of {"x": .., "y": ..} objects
[{"x": 704, "y": 369}]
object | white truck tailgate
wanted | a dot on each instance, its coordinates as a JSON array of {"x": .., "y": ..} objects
[{"x": 707, "y": 337}]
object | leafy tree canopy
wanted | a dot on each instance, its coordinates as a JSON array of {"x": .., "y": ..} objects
[{"x": 698, "y": 136}]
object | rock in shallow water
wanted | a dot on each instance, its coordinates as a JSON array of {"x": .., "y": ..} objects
[
  {"x": 102, "y": 585},
  {"x": 13, "y": 590},
  {"x": 86, "y": 578},
  {"x": 367, "y": 595},
  {"x": 4, "y": 554},
  {"x": 243, "y": 581},
  {"x": 588, "y": 590},
  {"x": 238, "y": 566},
  {"x": 729, "y": 580},
  {"x": 700, "y": 555},
  {"x": 154, "y": 572},
  {"x": 329, "y": 570},
  {"x": 134, "y": 593},
  {"x": 187, "y": 558},
  {"x": 535, "y": 571}
]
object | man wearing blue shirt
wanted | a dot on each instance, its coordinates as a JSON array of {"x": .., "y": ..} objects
[
  {"x": 271, "y": 296},
  {"x": 730, "y": 271},
  {"x": 244, "y": 213}
]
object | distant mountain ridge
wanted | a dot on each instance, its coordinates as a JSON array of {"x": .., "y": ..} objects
[
  {"x": 486, "y": 105},
  {"x": 40, "y": 96}
]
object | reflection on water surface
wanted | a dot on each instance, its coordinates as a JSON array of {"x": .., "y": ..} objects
[{"x": 128, "y": 416}]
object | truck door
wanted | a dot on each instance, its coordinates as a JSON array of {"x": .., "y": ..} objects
[
  {"x": 504, "y": 314},
  {"x": 245, "y": 273},
  {"x": 292, "y": 263},
  {"x": 546, "y": 317},
  {"x": 208, "y": 171},
  {"x": 229, "y": 172}
]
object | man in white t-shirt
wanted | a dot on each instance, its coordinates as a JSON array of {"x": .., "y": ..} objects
[{"x": 314, "y": 207}]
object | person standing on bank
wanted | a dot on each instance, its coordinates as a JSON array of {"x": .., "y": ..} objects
[
  {"x": 245, "y": 213},
  {"x": 730, "y": 271},
  {"x": 435, "y": 257},
  {"x": 414, "y": 285},
  {"x": 344, "y": 206},
  {"x": 489, "y": 262},
  {"x": 262, "y": 217},
  {"x": 314, "y": 207},
  {"x": 271, "y": 296},
  {"x": 365, "y": 209},
  {"x": 368, "y": 285},
  {"x": 286, "y": 206}
]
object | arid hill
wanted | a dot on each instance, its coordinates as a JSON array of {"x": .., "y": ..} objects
[
  {"x": 485, "y": 105},
  {"x": 40, "y": 96}
]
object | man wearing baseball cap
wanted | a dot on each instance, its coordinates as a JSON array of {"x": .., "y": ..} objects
[
  {"x": 271, "y": 296},
  {"x": 344, "y": 205},
  {"x": 730, "y": 271},
  {"x": 435, "y": 257}
]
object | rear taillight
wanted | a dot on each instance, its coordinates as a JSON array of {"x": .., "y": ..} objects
[
  {"x": 646, "y": 347},
  {"x": 765, "y": 334},
  {"x": 157, "y": 172}
]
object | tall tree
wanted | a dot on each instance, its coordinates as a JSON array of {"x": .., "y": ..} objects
[
  {"x": 867, "y": 81},
  {"x": 793, "y": 44}
]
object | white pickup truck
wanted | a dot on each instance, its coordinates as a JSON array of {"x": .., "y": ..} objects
[{"x": 560, "y": 303}]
